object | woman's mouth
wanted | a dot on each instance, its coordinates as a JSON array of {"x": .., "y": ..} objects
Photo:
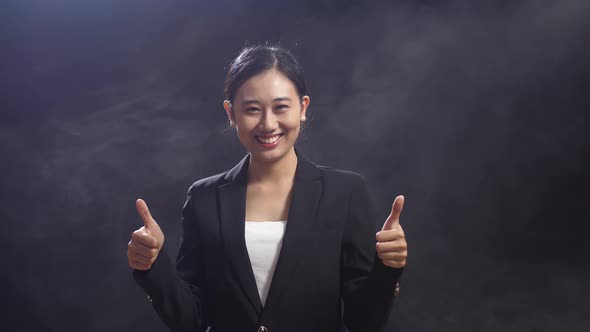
[{"x": 269, "y": 141}]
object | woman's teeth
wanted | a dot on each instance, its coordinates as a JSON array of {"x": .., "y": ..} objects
[{"x": 268, "y": 140}]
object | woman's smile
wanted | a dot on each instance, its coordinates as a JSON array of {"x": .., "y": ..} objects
[{"x": 268, "y": 141}]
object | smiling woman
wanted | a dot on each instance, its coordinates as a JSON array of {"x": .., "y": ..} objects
[
  {"x": 277, "y": 243},
  {"x": 268, "y": 115},
  {"x": 266, "y": 102}
]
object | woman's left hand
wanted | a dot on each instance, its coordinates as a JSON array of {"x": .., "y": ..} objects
[{"x": 391, "y": 240}]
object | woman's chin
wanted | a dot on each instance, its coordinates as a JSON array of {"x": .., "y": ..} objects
[{"x": 270, "y": 156}]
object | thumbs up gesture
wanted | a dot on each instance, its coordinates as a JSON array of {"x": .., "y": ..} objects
[
  {"x": 146, "y": 242},
  {"x": 391, "y": 241}
]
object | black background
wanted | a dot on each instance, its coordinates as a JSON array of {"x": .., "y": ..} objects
[{"x": 475, "y": 110}]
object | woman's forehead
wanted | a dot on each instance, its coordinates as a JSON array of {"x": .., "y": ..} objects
[{"x": 269, "y": 85}]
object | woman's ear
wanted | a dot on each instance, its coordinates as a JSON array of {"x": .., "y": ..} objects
[
  {"x": 228, "y": 109},
  {"x": 304, "y": 104}
]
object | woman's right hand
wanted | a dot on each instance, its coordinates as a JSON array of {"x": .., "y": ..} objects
[{"x": 146, "y": 242}]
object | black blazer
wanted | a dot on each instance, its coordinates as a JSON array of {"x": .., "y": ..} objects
[{"x": 327, "y": 276}]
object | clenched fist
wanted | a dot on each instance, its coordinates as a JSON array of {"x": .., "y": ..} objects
[
  {"x": 146, "y": 242},
  {"x": 391, "y": 240}
]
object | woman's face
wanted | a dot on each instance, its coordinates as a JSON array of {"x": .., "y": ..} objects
[{"x": 267, "y": 113}]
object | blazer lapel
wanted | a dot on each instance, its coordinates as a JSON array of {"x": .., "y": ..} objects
[
  {"x": 232, "y": 211},
  {"x": 307, "y": 191},
  {"x": 306, "y": 194}
]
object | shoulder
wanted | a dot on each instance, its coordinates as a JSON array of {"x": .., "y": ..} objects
[
  {"x": 346, "y": 189},
  {"x": 342, "y": 177},
  {"x": 208, "y": 183}
]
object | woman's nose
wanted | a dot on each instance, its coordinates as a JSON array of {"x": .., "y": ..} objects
[{"x": 268, "y": 121}]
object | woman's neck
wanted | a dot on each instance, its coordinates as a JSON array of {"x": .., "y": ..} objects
[{"x": 278, "y": 171}]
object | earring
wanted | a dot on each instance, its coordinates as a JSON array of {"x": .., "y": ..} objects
[
  {"x": 303, "y": 118},
  {"x": 231, "y": 123}
]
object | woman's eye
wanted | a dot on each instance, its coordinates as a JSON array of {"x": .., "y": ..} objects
[
  {"x": 282, "y": 107},
  {"x": 251, "y": 109}
]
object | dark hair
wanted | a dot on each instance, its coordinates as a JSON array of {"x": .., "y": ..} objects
[{"x": 253, "y": 60}]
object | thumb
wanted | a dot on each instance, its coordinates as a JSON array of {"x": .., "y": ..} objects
[
  {"x": 396, "y": 210},
  {"x": 145, "y": 214}
]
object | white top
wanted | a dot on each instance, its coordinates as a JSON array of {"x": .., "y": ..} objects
[{"x": 264, "y": 240}]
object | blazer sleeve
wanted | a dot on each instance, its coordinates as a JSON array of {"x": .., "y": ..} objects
[
  {"x": 368, "y": 286},
  {"x": 175, "y": 293}
]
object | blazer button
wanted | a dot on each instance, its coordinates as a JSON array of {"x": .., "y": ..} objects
[
  {"x": 396, "y": 290},
  {"x": 262, "y": 329}
]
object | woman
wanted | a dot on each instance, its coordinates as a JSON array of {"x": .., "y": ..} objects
[{"x": 277, "y": 243}]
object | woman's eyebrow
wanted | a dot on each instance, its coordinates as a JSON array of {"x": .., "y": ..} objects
[
  {"x": 250, "y": 101},
  {"x": 256, "y": 101},
  {"x": 282, "y": 99}
]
